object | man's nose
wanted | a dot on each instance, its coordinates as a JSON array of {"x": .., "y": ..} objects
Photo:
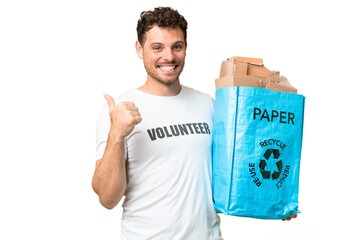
[{"x": 168, "y": 55}]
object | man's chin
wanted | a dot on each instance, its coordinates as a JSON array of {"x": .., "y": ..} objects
[{"x": 167, "y": 82}]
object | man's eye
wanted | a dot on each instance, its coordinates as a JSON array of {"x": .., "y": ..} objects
[
  {"x": 157, "y": 48},
  {"x": 177, "y": 47}
]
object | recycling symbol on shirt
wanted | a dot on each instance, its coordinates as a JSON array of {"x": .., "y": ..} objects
[{"x": 270, "y": 155}]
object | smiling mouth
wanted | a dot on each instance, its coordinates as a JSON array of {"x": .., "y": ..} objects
[{"x": 167, "y": 67}]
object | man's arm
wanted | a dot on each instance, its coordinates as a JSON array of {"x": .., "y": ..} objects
[{"x": 109, "y": 180}]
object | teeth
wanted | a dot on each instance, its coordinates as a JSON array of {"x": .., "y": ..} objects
[{"x": 167, "y": 67}]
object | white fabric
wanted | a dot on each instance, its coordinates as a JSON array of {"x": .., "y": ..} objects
[{"x": 169, "y": 153}]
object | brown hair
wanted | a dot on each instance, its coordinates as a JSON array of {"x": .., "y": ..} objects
[{"x": 164, "y": 17}]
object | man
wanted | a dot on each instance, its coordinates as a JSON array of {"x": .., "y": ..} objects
[{"x": 154, "y": 143}]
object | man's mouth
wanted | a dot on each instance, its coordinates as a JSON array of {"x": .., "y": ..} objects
[{"x": 168, "y": 67}]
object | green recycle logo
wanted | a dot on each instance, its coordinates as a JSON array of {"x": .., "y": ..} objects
[{"x": 270, "y": 155}]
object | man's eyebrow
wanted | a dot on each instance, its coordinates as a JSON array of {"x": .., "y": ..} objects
[
  {"x": 156, "y": 43},
  {"x": 179, "y": 42},
  {"x": 159, "y": 43}
]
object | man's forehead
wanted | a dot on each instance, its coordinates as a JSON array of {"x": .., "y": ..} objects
[{"x": 161, "y": 34}]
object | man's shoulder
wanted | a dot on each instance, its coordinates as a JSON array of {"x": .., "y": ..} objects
[
  {"x": 126, "y": 96},
  {"x": 197, "y": 93}
]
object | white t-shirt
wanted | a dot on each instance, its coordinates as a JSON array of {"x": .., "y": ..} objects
[{"x": 168, "y": 195}]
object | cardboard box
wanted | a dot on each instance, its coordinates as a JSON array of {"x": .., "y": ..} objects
[
  {"x": 251, "y": 72},
  {"x": 283, "y": 85},
  {"x": 232, "y": 81},
  {"x": 244, "y": 66}
]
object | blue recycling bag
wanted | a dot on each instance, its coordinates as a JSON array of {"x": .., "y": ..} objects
[{"x": 257, "y": 141}]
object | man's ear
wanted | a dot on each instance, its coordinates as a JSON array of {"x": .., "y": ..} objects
[{"x": 139, "y": 49}]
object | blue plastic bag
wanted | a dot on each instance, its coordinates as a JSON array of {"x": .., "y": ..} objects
[{"x": 256, "y": 152}]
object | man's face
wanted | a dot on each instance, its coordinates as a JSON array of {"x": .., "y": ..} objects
[{"x": 163, "y": 54}]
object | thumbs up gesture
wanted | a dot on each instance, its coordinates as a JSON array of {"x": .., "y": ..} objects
[{"x": 124, "y": 117}]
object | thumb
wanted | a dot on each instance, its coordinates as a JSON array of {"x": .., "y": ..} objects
[{"x": 110, "y": 101}]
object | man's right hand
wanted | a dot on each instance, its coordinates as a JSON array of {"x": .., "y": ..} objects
[
  {"x": 124, "y": 117},
  {"x": 109, "y": 180}
]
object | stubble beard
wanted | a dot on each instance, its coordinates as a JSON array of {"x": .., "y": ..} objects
[{"x": 158, "y": 78}]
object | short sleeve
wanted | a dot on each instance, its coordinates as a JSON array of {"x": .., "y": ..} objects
[{"x": 102, "y": 131}]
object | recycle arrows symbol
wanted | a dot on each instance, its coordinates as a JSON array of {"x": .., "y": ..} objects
[{"x": 266, "y": 174}]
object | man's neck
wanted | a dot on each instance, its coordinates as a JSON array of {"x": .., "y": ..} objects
[{"x": 159, "y": 89}]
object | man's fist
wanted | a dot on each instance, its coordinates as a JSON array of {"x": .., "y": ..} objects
[
  {"x": 124, "y": 116},
  {"x": 290, "y": 217}
]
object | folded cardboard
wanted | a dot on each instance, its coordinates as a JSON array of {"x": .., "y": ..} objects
[
  {"x": 251, "y": 72},
  {"x": 244, "y": 66},
  {"x": 239, "y": 80},
  {"x": 283, "y": 85}
]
